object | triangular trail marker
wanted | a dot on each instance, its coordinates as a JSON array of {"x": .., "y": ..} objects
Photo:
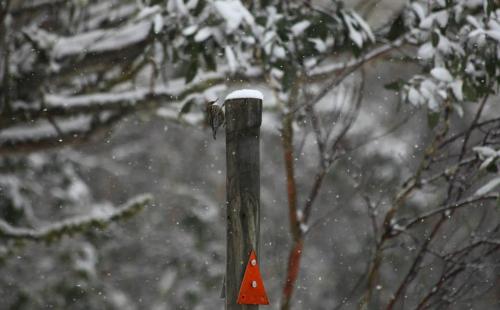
[{"x": 252, "y": 290}]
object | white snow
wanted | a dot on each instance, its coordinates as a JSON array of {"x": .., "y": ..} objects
[
  {"x": 419, "y": 10},
  {"x": 441, "y": 74},
  {"x": 300, "y": 27},
  {"x": 102, "y": 99},
  {"x": 485, "y": 164},
  {"x": 44, "y": 130},
  {"x": 354, "y": 35},
  {"x": 245, "y": 93},
  {"x": 180, "y": 7},
  {"x": 76, "y": 223},
  {"x": 441, "y": 18},
  {"x": 277, "y": 73},
  {"x": 279, "y": 52},
  {"x": 447, "y": 47},
  {"x": 158, "y": 23},
  {"x": 190, "y": 30},
  {"x": 487, "y": 154},
  {"x": 362, "y": 23},
  {"x": 101, "y": 40},
  {"x": 319, "y": 44},
  {"x": 488, "y": 187},
  {"x": 494, "y": 34},
  {"x": 310, "y": 62},
  {"x": 234, "y": 13},
  {"x": 485, "y": 151},
  {"x": 148, "y": 11},
  {"x": 456, "y": 88},
  {"x": 414, "y": 97},
  {"x": 203, "y": 34},
  {"x": 426, "y": 51}
]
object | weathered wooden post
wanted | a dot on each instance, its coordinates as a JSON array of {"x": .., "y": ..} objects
[{"x": 243, "y": 113}]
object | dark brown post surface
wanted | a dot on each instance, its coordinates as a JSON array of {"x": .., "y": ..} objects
[{"x": 243, "y": 120}]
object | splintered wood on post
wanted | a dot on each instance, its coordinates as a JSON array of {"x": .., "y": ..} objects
[{"x": 243, "y": 119}]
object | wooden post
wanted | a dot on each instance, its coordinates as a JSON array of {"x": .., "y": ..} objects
[{"x": 243, "y": 120}]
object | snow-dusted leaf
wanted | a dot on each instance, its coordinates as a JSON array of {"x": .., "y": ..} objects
[
  {"x": 366, "y": 28},
  {"x": 319, "y": 44},
  {"x": 310, "y": 62},
  {"x": 158, "y": 23},
  {"x": 494, "y": 34},
  {"x": 148, "y": 11},
  {"x": 473, "y": 21},
  {"x": 300, "y": 27},
  {"x": 414, "y": 97},
  {"x": 440, "y": 18},
  {"x": 456, "y": 89},
  {"x": 279, "y": 52},
  {"x": 355, "y": 35},
  {"x": 277, "y": 73},
  {"x": 419, "y": 10},
  {"x": 190, "y": 30},
  {"x": 484, "y": 151},
  {"x": 234, "y": 13},
  {"x": 191, "y": 4},
  {"x": 179, "y": 7},
  {"x": 433, "y": 103},
  {"x": 203, "y": 34},
  {"x": 488, "y": 187},
  {"x": 459, "y": 109},
  {"x": 426, "y": 51},
  {"x": 167, "y": 280},
  {"x": 485, "y": 164},
  {"x": 441, "y": 74}
]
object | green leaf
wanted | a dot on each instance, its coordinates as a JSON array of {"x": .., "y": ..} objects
[
  {"x": 493, "y": 168},
  {"x": 261, "y": 20},
  {"x": 318, "y": 28},
  {"x": 491, "y": 65},
  {"x": 282, "y": 29},
  {"x": 289, "y": 76},
  {"x": 187, "y": 106},
  {"x": 264, "y": 3},
  {"x": 432, "y": 119},
  {"x": 397, "y": 28},
  {"x": 199, "y": 7},
  {"x": 435, "y": 38},
  {"x": 470, "y": 91},
  {"x": 490, "y": 4},
  {"x": 395, "y": 85},
  {"x": 191, "y": 70},
  {"x": 210, "y": 61}
]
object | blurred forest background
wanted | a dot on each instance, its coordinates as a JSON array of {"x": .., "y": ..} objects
[{"x": 380, "y": 140}]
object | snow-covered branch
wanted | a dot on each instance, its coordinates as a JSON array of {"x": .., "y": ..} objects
[
  {"x": 75, "y": 225},
  {"x": 45, "y": 136}
]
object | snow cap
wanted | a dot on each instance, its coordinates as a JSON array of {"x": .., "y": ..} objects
[{"x": 245, "y": 93}]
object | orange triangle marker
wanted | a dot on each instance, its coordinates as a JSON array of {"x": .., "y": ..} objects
[{"x": 252, "y": 290}]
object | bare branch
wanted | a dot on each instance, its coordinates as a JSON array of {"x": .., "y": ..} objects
[{"x": 449, "y": 207}]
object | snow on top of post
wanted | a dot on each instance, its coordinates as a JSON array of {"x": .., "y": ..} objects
[{"x": 245, "y": 93}]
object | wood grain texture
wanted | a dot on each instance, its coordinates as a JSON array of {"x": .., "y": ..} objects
[{"x": 243, "y": 120}]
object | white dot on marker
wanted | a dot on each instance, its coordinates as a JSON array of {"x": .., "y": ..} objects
[
  {"x": 254, "y": 284},
  {"x": 253, "y": 262}
]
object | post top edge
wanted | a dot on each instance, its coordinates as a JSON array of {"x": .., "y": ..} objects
[{"x": 245, "y": 94}]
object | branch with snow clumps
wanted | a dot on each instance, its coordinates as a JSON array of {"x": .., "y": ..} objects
[{"x": 77, "y": 224}]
